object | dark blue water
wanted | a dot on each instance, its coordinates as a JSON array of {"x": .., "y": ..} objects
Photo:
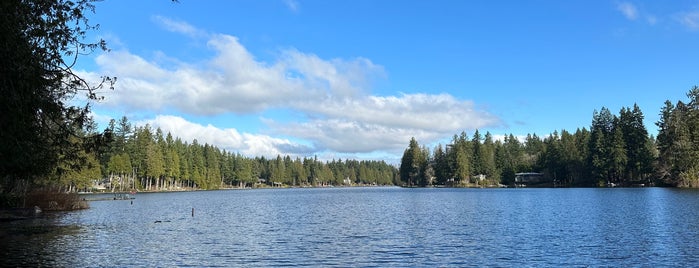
[{"x": 379, "y": 227}]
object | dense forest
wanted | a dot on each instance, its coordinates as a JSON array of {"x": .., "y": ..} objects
[
  {"x": 145, "y": 159},
  {"x": 49, "y": 142},
  {"x": 616, "y": 150}
]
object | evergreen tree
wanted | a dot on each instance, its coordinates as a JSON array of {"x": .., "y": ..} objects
[
  {"x": 441, "y": 165},
  {"x": 243, "y": 171},
  {"x": 510, "y": 157},
  {"x": 664, "y": 143},
  {"x": 571, "y": 159},
  {"x": 477, "y": 163},
  {"x": 552, "y": 159},
  {"x": 582, "y": 141},
  {"x": 600, "y": 139},
  {"x": 461, "y": 155},
  {"x": 298, "y": 173},
  {"x": 488, "y": 160},
  {"x": 212, "y": 168},
  {"x": 411, "y": 164},
  {"x": 678, "y": 142},
  {"x": 122, "y": 132},
  {"x": 636, "y": 139},
  {"x": 426, "y": 167},
  {"x": 617, "y": 159},
  {"x": 154, "y": 167},
  {"x": 41, "y": 124},
  {"x": 197, "y": 164},
  {"x": 182, "y": 153},
  {"x": 533, "y": 148},
  {"x": 120, "y": 165}
]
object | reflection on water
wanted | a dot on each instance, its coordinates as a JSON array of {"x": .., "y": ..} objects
[
  {"x": 367, "y": 227},
  {"x": 30, "y": 242}
]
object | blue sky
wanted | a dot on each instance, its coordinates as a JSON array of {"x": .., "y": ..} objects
[{"x": 357, "y": 79}]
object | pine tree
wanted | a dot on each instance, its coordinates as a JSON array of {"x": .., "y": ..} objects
[
  {"x": 462, "y": 160},
  {"x": 636, "y": 139},
  {"x": 243, "y": 171},
  {"x": 664, "y": 143},
  {"x": 617, "y": 159},
  {"x": 599, "y": 146},
  {"x": 212, "y": 167},
  {"x": 488, "y": 160},
  {"x": 154, "y": 167},
  {"x": 41, "y": 121},
  {"x": 477, "y": 163},
  {"x": 411, "y": 164},
  {"x": 441, "y": 165},
  {"x": 197, "y": 164}
]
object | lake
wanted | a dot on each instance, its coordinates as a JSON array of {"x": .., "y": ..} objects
[{"x": 368, "y": 227}]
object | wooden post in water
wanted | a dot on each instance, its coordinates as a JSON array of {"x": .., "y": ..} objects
[{"x": 192, "y": 212}]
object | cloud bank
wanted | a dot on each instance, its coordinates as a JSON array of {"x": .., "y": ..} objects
[
  {"x": 229, "y": 138},
  {"x": 331, "y": 99}
]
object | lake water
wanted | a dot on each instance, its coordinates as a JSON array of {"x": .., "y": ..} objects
[{"x": 368, "y": 227}]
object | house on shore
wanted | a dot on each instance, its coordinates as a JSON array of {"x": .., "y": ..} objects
[{"x": 528, "y": 178}]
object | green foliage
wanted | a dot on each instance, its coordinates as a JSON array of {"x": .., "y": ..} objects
[
  {"x": 78, "y": 174},
  {"x": 153, "y": 165},
  {"x": 146, "y": 159},
  {"x": 678, "y": 142},
  {"x": 243, "y": 170},
  {"x": 40, "y": 42},
  {"x": 617, "y": 149},
  {"x": 412, "y": 165},
  {"x": 119, "y": 164},
  {"x": 47, "y": 141},
  {"x": 639, "y": 154},
  {"x": 441, "y": 166},
  {"x": 509, "y": 157},
  {"x": 459, "y": 159},
  {"x": 689, "y": 178}
]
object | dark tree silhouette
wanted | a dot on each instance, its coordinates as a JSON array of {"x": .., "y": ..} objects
[{"x": 40, "y": 42}]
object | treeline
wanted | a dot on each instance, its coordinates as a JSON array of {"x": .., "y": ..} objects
[
  {"x": 146, "y": 159},
  {"x": 678, "y": 142},
  {"x": 617, "y": 149}
]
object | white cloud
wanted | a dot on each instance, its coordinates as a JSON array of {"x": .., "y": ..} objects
[
  {"x": 293, "y": 5},
  {"x": 501, "y": 137},
  {"x": 233, "y": 80},
  {"x": 438, "y": 113},
  {"x": 331, "y": 97},
  {"x": 352, "y": 136},
  {"x": 229, "y": 139},
  {"x": 342, "y": 77},
  {"x": 690, "y": 20},
  {"x": 386, "y": 123},
  {"x": 632, "y": 12},
  {"x": 178, "y": 26},
  {"x": 628, "y": 10},
  {"x": 129, "y": 65}
]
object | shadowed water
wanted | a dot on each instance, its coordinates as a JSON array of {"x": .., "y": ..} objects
[{"x": 369, "y": 227}]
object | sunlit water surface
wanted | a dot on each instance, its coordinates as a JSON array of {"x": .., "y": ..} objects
[{"x": 380, "y": 227}]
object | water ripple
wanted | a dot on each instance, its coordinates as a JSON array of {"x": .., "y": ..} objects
[{"x": 368, "y": 227}]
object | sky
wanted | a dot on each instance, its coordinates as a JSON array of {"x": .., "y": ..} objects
[{"x": 357, "y": 79}]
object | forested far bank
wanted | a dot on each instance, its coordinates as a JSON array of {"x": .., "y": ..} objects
[
  {"x": 142, "y": 158},
  {"x": 616, "y": 150}
]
